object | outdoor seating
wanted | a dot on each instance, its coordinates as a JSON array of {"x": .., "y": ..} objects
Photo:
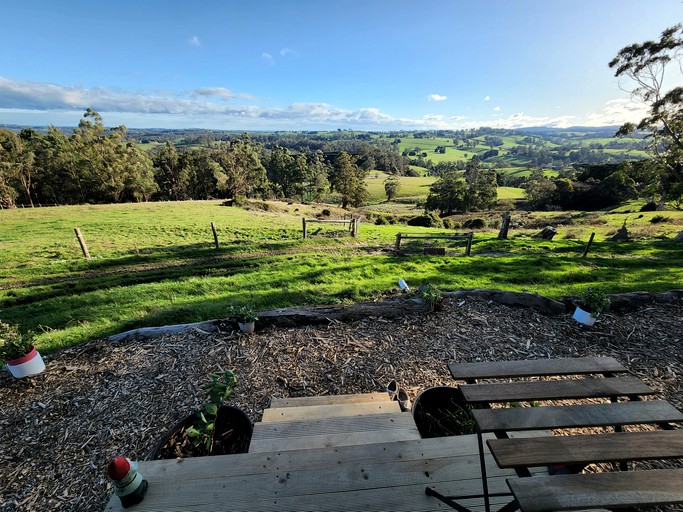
[{"x": 641, "y": 487}]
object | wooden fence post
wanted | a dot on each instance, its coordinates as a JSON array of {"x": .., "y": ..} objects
[
  {"x": 215, "y": 235},
  {"x": 304, "y": 222},
  {"x": 590, "y": 242},
  {"x": 81, "y": 241},
  {"x": 505, "y": 226},
  {"x": 469, "y": 244},
  {"x": 398, "y": 241},
  {"x": 356, "y": 223}
]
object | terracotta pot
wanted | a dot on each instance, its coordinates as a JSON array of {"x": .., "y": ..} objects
[{"x": 30, "y": 364}]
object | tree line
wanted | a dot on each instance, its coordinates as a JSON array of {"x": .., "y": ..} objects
[{"x": 99, "y": 165}]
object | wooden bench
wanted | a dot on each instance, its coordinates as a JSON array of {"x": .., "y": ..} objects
[
  {"x": 581, "y": 381},
  {"x": 609, "y": 490}
]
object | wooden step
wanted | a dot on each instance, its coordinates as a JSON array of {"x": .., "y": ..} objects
[
  {"x": 329, "y": 411},
  {"x": 279, "y": 403},
  {"x": 333, "y": 431},
  {"x": 614, "y": 490}
]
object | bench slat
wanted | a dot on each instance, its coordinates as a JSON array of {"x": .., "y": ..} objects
[
  {"x": 611, "y": 490},
  {"x": 535, "y": 367},
  {"x": 555, "y": 390},
  {"x": 586, "y": 449},
  {"x": 576, "y": 416}
]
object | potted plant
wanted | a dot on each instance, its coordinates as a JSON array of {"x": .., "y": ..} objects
[
  {"x": 246, "y": 317},
  {"x": 591, "y": 303},
  {"x": 216, "y": 429},
  {"x": 18, "y": 351},
  {"x": 442, "y": 411},
  {"x": 430, "y": 294}
]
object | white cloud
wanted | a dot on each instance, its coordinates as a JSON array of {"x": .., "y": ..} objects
[
  {"x": 267, "y": 56},
  {"x": 288, "y": 51},
  {"x": 437, "y": 97},
  {"x": 221, "y": 107},
  {"x": 194, "y": 41},
  {"x": 487, "y": 98},
  {"x": 217, "y": 92},
  {"x": 496, "y": 109},
  {"x": 617, "y": 112}
]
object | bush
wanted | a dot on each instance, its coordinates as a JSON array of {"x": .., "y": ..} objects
[
  {"x": 649, "y": 207},
  {"x": 450, "y": 224},
  {"x": 240, "y": 200},
  {"x": 381, "y": 220},
  {"x": 326, "y": 213},
  {"x": 429, "y": 220},
  {"x": 476, "y": 223},
  {"x": 657, "y": 219}
]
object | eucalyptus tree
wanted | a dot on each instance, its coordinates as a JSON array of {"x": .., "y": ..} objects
[{"x": 645, "y": 65}]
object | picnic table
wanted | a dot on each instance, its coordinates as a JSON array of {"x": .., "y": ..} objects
[{"x": 568, "y": 381}]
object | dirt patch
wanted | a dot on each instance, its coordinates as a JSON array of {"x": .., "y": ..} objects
[{"x": 59, "y": 429}]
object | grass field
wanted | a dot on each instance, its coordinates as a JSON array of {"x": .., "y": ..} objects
[{"x": 155, "y": 263}]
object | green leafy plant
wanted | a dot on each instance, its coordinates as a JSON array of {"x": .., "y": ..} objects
[
  {"x": 13, "y": 344},
  {"x": 243, "y": 314},
  {"x": 594, "y": 300},
  {"x": 219, "y": 389},
  {"x": 431, "y": 294}
]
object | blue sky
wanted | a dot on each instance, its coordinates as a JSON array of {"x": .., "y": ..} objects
[{"x": 323, "y": 64}]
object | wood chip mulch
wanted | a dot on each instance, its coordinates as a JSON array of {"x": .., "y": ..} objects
[{"x": 59, "y": 429}]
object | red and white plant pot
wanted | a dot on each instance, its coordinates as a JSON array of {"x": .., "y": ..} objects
[{"x": 30, "y": 364}]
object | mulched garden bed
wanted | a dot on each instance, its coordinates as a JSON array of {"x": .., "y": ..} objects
[{"x": 59, "y": 429}]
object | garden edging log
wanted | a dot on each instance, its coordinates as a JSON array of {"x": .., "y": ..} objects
[{"x": 399, "y": 307}]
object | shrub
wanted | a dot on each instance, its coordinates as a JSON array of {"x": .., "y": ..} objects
[
  {"x": 240, "y": 200},
  {"x": 476, "y": 223},
  {"x": 657, "y": 219},
  {"x": 594, "y": 300},
  {"x": 649, "y": 207},
  {"x": 381, "y": 220},
  {"x": 450, "y": 224},
  {"x": 429, "y": 220},
  {"x": 326, "y": 213}
]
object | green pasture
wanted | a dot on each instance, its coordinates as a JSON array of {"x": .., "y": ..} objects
[{"x": 156, "y": 264}]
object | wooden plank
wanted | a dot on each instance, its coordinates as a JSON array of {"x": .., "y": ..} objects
[
  {"x": 535, "y": 368},
  {"x": 610, "y": 490},
  {"x": 329, "y": 411},
  {"x": 278, "y": 403},
  {"x": 586, "y": 449},
  {"x": 555, "y": 390},
  {"x": 340, "y": 425},
  {"x": 330, "y": 440},
  {"x": 575, "y": 416}
]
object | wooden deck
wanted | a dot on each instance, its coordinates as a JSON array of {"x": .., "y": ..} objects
[{"x": 355, "y": 452}]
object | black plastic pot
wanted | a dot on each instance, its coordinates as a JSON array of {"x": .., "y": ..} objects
[
  {"x": 233, "y": 433},
  {"x": 441, "y": 411}
]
